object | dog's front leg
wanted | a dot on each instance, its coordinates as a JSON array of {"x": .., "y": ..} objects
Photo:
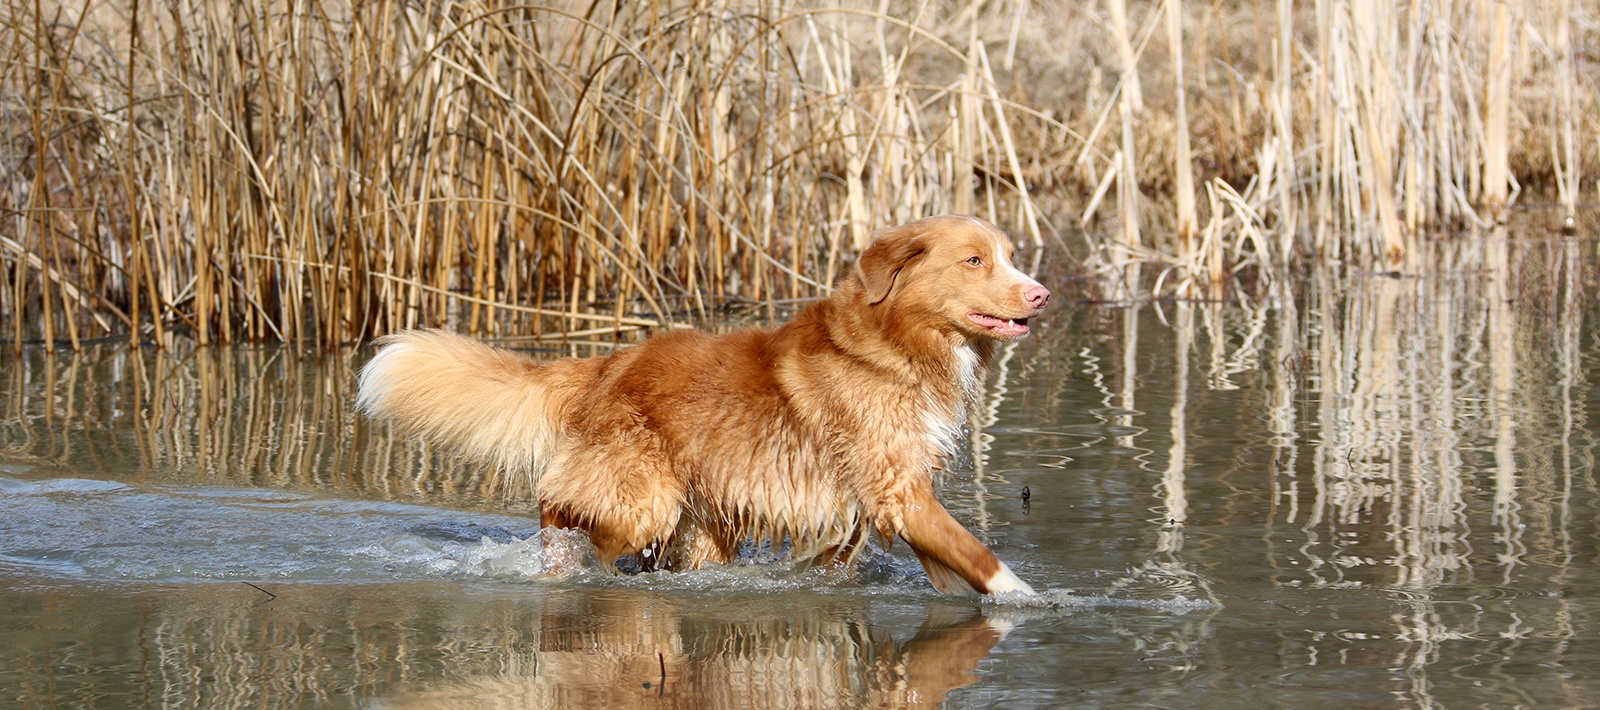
[{"x": 954, "y": 559}]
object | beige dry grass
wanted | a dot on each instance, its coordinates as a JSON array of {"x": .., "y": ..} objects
[{"x": 317, "y": 171}]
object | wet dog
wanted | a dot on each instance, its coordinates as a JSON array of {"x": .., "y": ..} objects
[{"x": 816, "y": 433}]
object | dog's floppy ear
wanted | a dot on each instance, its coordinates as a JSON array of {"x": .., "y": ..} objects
[{"x": 881, "y": 263}]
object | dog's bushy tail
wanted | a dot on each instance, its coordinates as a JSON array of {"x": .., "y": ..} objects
[{"x": 482, "y": 402}]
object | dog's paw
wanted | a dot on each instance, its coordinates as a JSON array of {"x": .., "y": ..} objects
[{"x": 1007, "y": 582}]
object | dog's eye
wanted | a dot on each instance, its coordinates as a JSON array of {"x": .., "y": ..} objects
[{"x": 975, "y": 261}]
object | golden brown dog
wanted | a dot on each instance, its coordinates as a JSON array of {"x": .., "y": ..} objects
[{"x": 817, "y": 432}]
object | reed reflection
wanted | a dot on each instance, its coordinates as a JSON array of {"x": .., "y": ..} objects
[
  {"x": 1429, "y": 393},
  {"x": 1421, "y": 437},
  {"x": 1174, "y": 494},
  {"x": 225, "y": 416},
  {"x": 428, "y": 646},
  {"x": 1424, "y": 439}
]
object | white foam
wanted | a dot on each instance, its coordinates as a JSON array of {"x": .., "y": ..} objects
[{"x": 544, "y": 554}]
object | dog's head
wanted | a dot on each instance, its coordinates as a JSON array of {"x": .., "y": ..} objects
[{"x": 955, "y": 268}]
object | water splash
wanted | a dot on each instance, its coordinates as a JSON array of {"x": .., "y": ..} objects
[
  {"x": 91, "y": 530},
  {"x": 1152, "y": 586}
]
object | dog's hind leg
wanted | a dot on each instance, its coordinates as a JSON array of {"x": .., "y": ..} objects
[
  {"x": 627, "y": 500},
  {"x": 954, "y": 559},
  {"x": 615, "y": 533},
  {"x": 695, "y": 543}
]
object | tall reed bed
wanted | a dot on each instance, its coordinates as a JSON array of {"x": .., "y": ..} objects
[
  {"x": 1335, "y": 130},
  {"x": 319, "y": 171}
]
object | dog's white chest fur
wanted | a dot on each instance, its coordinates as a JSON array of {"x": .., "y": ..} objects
[{"x": 943, "y": 421}]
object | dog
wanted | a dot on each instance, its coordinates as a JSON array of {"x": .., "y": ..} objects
[{"x": 815, "y": 434}]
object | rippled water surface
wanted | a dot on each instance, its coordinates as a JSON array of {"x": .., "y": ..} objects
[{"x": 1372, "y": 492}]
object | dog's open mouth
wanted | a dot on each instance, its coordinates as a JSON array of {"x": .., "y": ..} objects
[{"x": 1000, "y": 327}]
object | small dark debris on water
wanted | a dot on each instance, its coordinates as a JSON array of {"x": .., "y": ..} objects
[
  {"x": 270, "y": 595},
  {"x": 1027, "y": 507},
  {"x": 661, "y": 686}
]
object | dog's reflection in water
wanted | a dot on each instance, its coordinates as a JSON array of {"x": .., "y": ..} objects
[{"x": 606, "y": 649}]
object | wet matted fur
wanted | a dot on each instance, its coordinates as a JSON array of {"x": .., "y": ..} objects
[{"x": 817, "y": 432}]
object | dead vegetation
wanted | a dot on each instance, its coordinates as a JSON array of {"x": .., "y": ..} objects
[{"x": 317, "y": 172}]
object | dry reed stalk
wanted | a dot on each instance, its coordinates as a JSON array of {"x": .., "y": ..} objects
[
  {"x": 36, "y": 207},
  {"x": 1125, "y": 54},
  {"x": 836, "y": 75},
  {"x": 1497, "y": 107},
  {"x": 1326, "y": 118},
  {"x": 1007, "y": 146},
  {"x": 1128, "y": 104},
  {"x": 1375, "y": 107},
  {"x": 1129, "y": 202},
  {"x": 1569, "y": 171},
  {"x": 1211, "y": 250},
  {"x": 963, "y": 134},
  {"x": 1415, "y": 140},
  {"x": 1283, "y": 111},
  {"x": 1183, "y": 157}
]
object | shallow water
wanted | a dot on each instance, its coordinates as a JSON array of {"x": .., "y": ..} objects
[{"x": 1374, "y": 492}]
